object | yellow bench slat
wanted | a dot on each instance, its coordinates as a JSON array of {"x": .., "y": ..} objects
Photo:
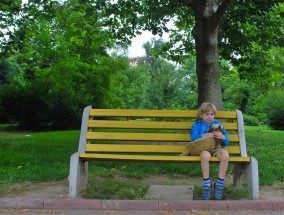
[
  {"x": 156, "y": 113},
  {"x": 140, "y": 124},
  {"x": 171, "y": 137},
  {"x": 154, "y": 158},
  {"x": 134, "y": 148},
  {"x": 150, "y": 125},
  {"x": 116, "y": 148},
  {"x": 138, "y": 136},
  {"x": 141, "y": 113},
  {"x": 233, "y": 149}
]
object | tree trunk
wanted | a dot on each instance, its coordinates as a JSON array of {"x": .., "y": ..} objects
[
  {"x": 207, "y": 68},
  {"x": 208, "y": 14}
]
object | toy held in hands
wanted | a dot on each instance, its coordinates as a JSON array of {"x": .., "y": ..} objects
[{"x": 195, "y": 147}]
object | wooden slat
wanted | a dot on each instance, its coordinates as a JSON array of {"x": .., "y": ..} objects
[
  {"x": 232, "y": 126},
  {"x": 138, "y": 136},
  {"x": 146, "y": 148},
  {"x": 123, "y": 148},
  {"x": 140, "y": 124},
  {"x": 141, "y": 113},
  {"x": 155, "y": 158},
  {"x": 150, "y": 125},
  {"x": 226, "y": 115},
  {"x": 233, "y": 150},
  {"x": 134, "y": 148},
  {"x": 156, "y": 113},
  {"x": 171, "y": 137},
  {"x": 233, "y": 137}
]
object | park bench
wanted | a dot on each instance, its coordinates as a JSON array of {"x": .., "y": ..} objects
[{"x": 153, "y": 136}]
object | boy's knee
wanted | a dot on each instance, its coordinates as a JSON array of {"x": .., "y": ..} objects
[
  {"x": 205, "y": 155},
  {"x": 224, "y": 156}
]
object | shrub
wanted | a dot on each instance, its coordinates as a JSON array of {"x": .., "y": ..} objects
[
  {"x": 239, "y": 96},
  {"x": 272, "y": 106},
  {"x": 38, "y": 105},
  {"x": 251, "y": 120}
]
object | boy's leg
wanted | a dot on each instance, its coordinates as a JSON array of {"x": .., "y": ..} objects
[
  {"x": 224, "y": 161},
  {"x": 219, "y": 185},
  {"x": 205, "y": 156}
]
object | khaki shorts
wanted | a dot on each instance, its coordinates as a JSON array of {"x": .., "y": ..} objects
[{"x": 216, "y": 151}]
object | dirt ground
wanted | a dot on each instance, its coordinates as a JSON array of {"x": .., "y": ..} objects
[{"x": 59, "y": 190}]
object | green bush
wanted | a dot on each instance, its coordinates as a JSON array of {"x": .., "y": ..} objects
[
  {"x": 239, "y": 96},
  {"x": 40, "y": 105},
  {"x": 251, "y": 120},
  {"x": 272, "y": 106}
]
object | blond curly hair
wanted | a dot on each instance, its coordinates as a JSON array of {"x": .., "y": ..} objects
[{"x": 205, "y": 107}]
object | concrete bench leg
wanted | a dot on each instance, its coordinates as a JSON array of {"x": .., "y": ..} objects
[
  {"x": 78, "y": 177},
  {"x": 250, "y": 171},
  {"x": 238, "y": 174}
]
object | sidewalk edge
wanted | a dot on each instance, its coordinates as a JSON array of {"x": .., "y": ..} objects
[{"x": 183, "y": 205}]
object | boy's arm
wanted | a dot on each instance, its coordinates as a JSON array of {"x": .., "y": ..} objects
[
  {"x": 226, "y": 140},
  {"x": 194, "y": 132},
  {"x": 225, "y": 133}
]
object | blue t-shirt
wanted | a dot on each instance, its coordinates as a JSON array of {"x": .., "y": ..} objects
[{"x": 199, "y": 128}]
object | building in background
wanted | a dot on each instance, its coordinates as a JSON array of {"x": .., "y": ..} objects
[{"x": 136, "y": 60}]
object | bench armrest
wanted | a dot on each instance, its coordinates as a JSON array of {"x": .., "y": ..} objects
[
  {"x": 84, "y": 129},
  {"x": 241, "y": 131}
]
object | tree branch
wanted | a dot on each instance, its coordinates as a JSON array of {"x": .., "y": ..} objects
[{"x": 224, "y": 6}]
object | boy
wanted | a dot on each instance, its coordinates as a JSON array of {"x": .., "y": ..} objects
[{"x": 207, "y": 113}]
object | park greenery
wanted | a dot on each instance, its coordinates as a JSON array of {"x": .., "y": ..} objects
[
  {"x": 28, "y": 158},
  {"x": 57, "y": 57},
  {"x": 239, "y": 31}
]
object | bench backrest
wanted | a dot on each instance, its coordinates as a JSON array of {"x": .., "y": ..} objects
[{"x": 150, "y": 131}]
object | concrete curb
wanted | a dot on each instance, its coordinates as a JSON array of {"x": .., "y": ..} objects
[{"x": 183, "y": 205}]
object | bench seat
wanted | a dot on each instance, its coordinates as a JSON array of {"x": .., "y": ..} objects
[{"x": 155, "y": 158}]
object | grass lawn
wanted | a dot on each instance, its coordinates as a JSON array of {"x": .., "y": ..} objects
[
  {"x": 28, "y": 157},
  {"x": 44, "y": 156},
  {"x": 267, "y": 146}
]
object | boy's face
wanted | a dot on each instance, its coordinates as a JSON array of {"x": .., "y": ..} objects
[{"x": 207, "y": 117}]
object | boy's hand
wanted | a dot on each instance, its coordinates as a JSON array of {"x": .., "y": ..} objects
[
  {"x": 219, "y": 135},
  {"x": 209, "y": 135}
]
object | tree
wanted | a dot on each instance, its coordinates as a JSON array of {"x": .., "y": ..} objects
[
  {"x": 62, "y": 53},
  {"x": 129, "y": 85},
  {"x": 164, "y": 82},
  {"x": 7, "y": 9},
  {"x": 161, "y": 88},
  {"x": 200, "y": 21},
  {"x": 156, "y": 83},
  {"x": 8, "y": 69},
  {"x": 251, "y": 36}
]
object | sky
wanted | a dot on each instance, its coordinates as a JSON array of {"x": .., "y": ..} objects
[{"x": 136, "y": 49}]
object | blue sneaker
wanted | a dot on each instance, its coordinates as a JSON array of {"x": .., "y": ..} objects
[
  {"x": 218, "y": 192},
  {"x": 206, "y": 192}
]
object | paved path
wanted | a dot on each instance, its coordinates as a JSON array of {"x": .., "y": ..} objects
[
  {"x": 157, "y": 204},
  {"x": 134, "y": 212}
]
